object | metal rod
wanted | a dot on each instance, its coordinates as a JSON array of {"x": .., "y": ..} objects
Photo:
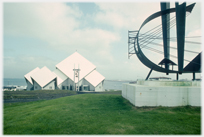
[
  {"x": 149, "y": 74},
  {"x": 193, "y": 76},
  {"x": 177, "y": 76}
]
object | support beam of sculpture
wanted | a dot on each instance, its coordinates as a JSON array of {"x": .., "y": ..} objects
[
  {"x": 166, "y": 31},
  {"x": 180, "y": 26}
]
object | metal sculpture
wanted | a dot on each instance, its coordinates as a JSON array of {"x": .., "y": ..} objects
[{"x": 135, "y": 42}]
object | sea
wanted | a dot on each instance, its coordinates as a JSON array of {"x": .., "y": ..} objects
[{"x": 108, "y": 84}]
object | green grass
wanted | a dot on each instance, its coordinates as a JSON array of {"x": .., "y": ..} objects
[
  {"x": 35, "y": 94},
  {"x": 38, "y": 92},
  {"x": 98, "y": 114}
]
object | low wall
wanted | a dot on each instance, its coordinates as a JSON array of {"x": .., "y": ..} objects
[{"x": 163, "y": 93}]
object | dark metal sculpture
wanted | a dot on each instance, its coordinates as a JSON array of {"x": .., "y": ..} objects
[
  {"x": 166, "y": 34},
  {"x": 134, "y": 42}
]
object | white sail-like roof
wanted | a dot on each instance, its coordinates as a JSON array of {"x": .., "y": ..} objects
[
  {"x": 60, "y": 76},
  {"x": 74, "y": 61},
  {"x": 43, "y": 76},
  {"x": 94, "y": 78},
  {"x": 27, "y": 76}
]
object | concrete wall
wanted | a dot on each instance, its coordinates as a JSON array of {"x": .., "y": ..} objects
[
  {"x": 36, "y": 86},
  {"x": 99, "y": 87},
  {"x": 29, "y": 85},
  {"x": 67, "y": 83},
  {"x": 64, "y": 83},
  {"x": 79, "y": 83},
  {"x": 91, "y": 87},
  {"x": 150, "y": 94},
  {"x": 51, "y": 85},
  {"x": 169, "y": 83}
]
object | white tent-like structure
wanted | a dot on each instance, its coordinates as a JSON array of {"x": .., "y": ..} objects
[
  {"x": 44, "y": 79},
  {"x": 95, "y": 81},
  {"x": 74, "y": 61},
  {"x": 73, "y": 73},
  {"x": 78, "y": 80},
  {"x": 28, "y": 79}
]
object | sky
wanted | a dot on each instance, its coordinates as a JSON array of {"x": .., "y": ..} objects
[{"x": 37, "y": 34}]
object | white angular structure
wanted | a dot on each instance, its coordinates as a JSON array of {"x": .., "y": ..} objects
[
  {"x": 95, "y": 81},
  {"x": 87, "y": 79},
  {"x": 28, "y": 79},
  {"x": 44, "y": 79},
  {"x": 73, "y": 73},
  {"x": 74, "y": 61},
  {"x": 61, "y": 78}
]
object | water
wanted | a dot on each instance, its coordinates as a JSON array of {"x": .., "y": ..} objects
[
  {"x": 113, "y": 85},
  {"x": 108, "y": 84},
  {"x": 14, "y": 81}
]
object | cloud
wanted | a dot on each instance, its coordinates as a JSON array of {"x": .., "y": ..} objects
[
  {"x": 125, "y": 15},
  {"x": 62, "y": 28},
  {"x": 57, "y": 24},
  {"x": 39, "y": 19}
]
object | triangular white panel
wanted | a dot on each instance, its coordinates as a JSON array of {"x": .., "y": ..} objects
[
  {"x": 95, "y": 78},
  {"x": 43, "y": 76},
  {"x": 75, "y": 61},
  {"x": 27, "y": 76}
]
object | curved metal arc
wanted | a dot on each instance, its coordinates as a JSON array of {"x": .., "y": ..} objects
[
  {"x": 139, "y": 52},
  {"x": 189, "y": 8}
]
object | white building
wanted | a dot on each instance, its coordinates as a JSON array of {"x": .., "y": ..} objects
[
  {"x": 94, "y": 81},
  {"x": 87, "y": 79},
  {"x": 44, "y": 79},
  {"x": 28, "y": 79},
  {"x": 73, "y": 73}
]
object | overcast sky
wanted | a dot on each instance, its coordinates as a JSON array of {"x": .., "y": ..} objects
[{"x": 43, "y": 34}]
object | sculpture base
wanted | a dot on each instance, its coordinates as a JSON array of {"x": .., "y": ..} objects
[{"x": 163, "y": 93}]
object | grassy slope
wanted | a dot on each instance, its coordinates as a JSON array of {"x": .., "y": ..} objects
[
  {"x": 98, "y": 114},
  {"x": 35, "y": 94}
]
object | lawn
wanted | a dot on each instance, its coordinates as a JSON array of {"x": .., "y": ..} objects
[
  {"x": 36, "y": 94},
  {"x": 98, "y": 114}
]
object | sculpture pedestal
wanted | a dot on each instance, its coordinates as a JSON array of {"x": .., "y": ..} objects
[{"x": 163, "y": 93}]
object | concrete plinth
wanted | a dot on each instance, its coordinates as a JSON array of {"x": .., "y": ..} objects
[{"x": 163, "y": 93}]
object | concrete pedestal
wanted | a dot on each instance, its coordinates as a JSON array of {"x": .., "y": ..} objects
[{"x": 163, "y": 93}]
